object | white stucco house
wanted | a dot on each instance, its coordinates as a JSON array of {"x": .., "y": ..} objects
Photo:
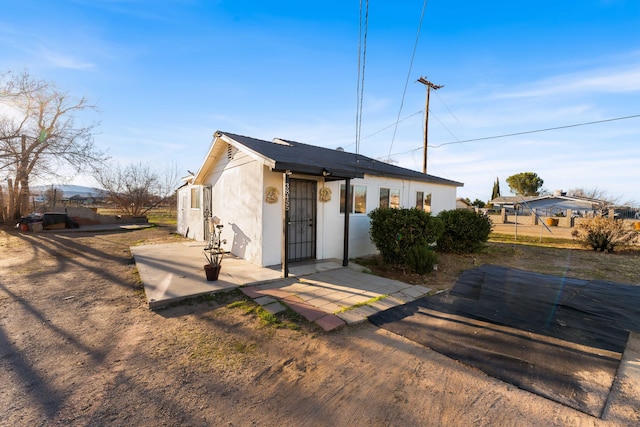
[{"x": 284, "y": 201}]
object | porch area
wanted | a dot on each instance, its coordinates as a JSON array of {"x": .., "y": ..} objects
[{"x": 322, "y": 291}]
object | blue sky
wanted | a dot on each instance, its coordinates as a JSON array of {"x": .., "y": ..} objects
[{"x": 167, "y": 74}]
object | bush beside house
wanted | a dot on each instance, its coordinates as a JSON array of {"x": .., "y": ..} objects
[
  {"x": 396, "y": 231},
  {"x": 407, "y": 236},
  {"x": 465, "y": 231}
]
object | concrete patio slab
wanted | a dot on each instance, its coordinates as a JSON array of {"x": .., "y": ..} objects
[
  {"x": 171, "y": 272},
  {"x": 174, "y": 271},
  {"x": 316, "y": 290}
]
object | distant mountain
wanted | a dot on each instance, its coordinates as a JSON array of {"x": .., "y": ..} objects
[{"x": 69, "y": 191}]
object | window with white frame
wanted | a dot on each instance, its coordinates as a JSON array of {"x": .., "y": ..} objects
[
  {"x": 389, "y": 198},
  {"x": 195, "y": 198},
  {"x": 357, "y": 199},
  {"x": 423, "y": 202}
]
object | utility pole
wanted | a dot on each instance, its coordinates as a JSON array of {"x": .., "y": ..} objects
[{"x": 429, "y": 86}]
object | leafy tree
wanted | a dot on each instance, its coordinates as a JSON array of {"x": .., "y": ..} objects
[
  {"x": 137, "y": 188},
  {"x": 525, "y": 183},
  {"x": 478, "y": 203},
  {"x": 39, "y": 135},
  {"x": 495, "y": 193}
]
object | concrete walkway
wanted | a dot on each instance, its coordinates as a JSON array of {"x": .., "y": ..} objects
[{"x": 323, "y": 292}]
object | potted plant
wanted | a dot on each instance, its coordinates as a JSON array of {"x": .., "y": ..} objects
[
  {"x": 553, "y": 222},
  {"x": 213, "y": 253},
  {"x": 213, "y": 265}
]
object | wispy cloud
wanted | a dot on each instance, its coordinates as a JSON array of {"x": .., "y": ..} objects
[
  {"x": 605, "y": 80},
  {"x": 62, "y": 60},
  {"x": 134, "y": 8},
  {"x": 43, "y": 49}
]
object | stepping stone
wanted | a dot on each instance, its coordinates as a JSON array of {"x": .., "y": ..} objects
[
  {"x": 357, "y": 315},
  {"x": 385, "y": 304},
  {"x": 251, "y": 292},
  {"x": 309, "y": 312},
  {"x": 423, "y": 289},
  {"x": 404, "y": 298},
  {"x": 415, "y": 291},
  {"x": 330, "y": 322},
  {"x": 277, "y": 293},
  {"x": 274, "y": 307},
  {"x": 264, "y": 300}
]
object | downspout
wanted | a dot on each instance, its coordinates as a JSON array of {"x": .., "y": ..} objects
[{"x": 347, "y": 209}]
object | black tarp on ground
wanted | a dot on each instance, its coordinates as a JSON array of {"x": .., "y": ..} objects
[{"x": 558, "y": 337}]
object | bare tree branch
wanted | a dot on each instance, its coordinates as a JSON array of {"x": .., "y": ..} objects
[
  {"x": 137, "y": 188},
  {"x": 38, "y": 133}
]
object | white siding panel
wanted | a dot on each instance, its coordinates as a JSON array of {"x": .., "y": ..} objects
[
  {"x": 190, "y": 221},
  {"x": 237, "y": 201},
  {"x": 272, "y": 219},
  {"x": 332, "y": 236}
]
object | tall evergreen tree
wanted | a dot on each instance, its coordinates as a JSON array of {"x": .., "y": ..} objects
[{"x": 495, "y": 193}]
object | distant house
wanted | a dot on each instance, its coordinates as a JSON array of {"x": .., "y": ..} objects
[
  {"x": 549, "y": 205},
  {"x": 463, "y": 204},
  {"x": 284, "y": 201}
]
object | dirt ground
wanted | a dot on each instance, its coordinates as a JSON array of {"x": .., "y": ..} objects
[{"x": 78, "y": 346}]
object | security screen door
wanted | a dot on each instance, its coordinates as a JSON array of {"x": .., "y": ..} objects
[{"x": 302, "y": 216}]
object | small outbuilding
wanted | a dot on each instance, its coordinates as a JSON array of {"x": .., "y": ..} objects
[{"x": 284, "y": 201}]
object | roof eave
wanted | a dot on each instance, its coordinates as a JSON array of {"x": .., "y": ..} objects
[{"x": 329, "y": 174}]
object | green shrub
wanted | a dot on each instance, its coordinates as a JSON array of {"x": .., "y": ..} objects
[
  {"x": 395, "y": 231},
  {"x": 465, "y": 231},
  {"x": 603, "y": 234},
  {"x": 421, "y": 259}
]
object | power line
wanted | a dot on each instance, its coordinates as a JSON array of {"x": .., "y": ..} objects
[
  {"x": 385, "y": 128},
  {"x": 362, "y": 54},
  {"x": 445, "y": 126},
  {"x": 392, "y": 124},
  {"x": 524, "y": 133},
  {"x": 406, "y": 83},
  {"x": 448, "y": 109}
]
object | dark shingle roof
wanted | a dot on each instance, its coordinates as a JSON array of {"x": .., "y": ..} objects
[{"x": 309, "y": 159}]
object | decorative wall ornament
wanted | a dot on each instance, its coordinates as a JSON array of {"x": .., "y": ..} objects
[
  {"x": 325, "y": 194},
  {"x": 271, "y": 195}
]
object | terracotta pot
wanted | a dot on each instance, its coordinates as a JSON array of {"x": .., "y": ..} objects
[
  {"x": 553, "y": 222},
  {"x": 212, "y": 272},
  {"x": 636, "y": 225}
]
